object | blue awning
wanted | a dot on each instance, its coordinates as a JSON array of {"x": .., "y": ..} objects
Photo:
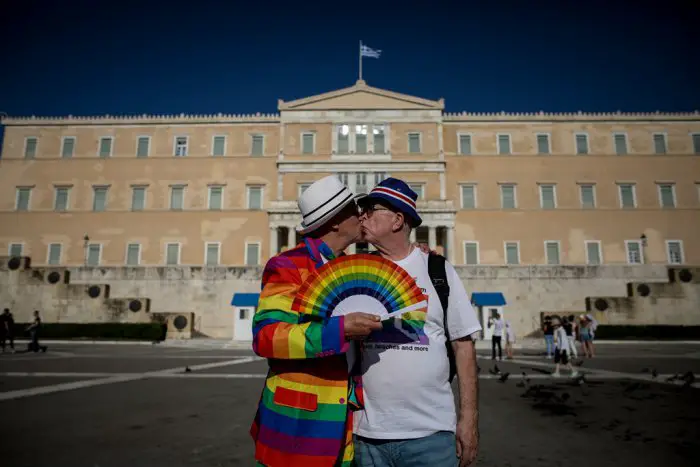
[
  {"x": 245, "y": 299},
  {"x": 488, "y": 299}
]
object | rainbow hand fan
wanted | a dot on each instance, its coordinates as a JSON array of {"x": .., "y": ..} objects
[{"x": 366, "y": 283}]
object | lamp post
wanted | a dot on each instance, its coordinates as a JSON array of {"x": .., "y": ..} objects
[
  {"x": 86, "y": 241},
  {"x": 643, "y": 238}
]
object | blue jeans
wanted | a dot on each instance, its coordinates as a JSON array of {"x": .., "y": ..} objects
[
  {"x": 438, "y": 449},
  {"x": 549, "y": 344}
]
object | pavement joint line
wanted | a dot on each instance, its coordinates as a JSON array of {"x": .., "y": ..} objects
[
  {"x": 589, "y": 371},
  {"x": 62, "y": 387}
]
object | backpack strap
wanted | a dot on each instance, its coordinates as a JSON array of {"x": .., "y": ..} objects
[{"x": 438, "y": 276}]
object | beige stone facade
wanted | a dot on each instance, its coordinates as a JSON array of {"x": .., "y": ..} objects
[
  {"x": 221, "y": 189},
  {"x": 548, "y": 209}
]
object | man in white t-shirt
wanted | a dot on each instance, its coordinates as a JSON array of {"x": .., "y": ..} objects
[
  {"x": 498, "y": 328},
  {"x": 409, "y": 416}
]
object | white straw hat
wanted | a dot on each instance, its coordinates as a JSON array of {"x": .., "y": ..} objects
[{"x": 321, "y": 201}]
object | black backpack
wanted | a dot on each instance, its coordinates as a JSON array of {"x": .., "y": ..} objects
[{"x": 438, "y": 276}]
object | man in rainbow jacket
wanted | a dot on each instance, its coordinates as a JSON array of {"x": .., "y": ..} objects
[{"x": 305, "y": 413}]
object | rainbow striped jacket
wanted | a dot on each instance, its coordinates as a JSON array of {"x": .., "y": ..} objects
[{"x": 303, "y": 416}]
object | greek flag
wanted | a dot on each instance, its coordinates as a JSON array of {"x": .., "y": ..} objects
[{"x": 367, "y": 52}]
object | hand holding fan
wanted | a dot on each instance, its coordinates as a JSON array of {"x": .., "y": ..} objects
[{"x": 364, "y": 283}]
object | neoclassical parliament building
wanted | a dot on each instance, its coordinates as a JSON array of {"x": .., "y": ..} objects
[{"x": 495, "y": 188}]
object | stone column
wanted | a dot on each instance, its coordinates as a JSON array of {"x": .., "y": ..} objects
[
  {"x": 291, "y": 236},
  {"x": 441, "y": 148},
  {"x": 280, "y": 186},
  {"x": 280, "y": 154},
  {"x": 413, "y": 235},
  {"x": 450, "y": 233},
  {"x": 274, "y": 240},
  {"x": 432, "y": 237},
  {"x": 352, "y": 182},
  {"x": 443, "y": 189}
]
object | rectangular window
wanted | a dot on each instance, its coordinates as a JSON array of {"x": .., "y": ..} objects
[
  {"x": 143, "y": 146},
  {"x": 343, "y": 177},
  {"x": 508, "y": 197},
  {"x": 627, "y": 196},
  {"x": 418, "y": 188},
  {"x": 471, "y": 253},
  {"x": 133, "y": 254},
  {"x": 172, "y": 253},
  {"x": 548, "y": 198},
  {"x": 216, "y": 197},
  {"x": 343, "y": 133},
  {"x": 360, "y": 139},
  {"x": 105, "y": 149},
  {"x": 552, "y": 252},
  {"x": 15, "y": 249},
  {"x": 54, "y": 254},
  {"x": 581, "y": 143},
  {"x": 94, "y": 254},
  {"x": 379, "y": 144},
  {"x": 252, "y": 254},
  {"x": 361, "y": 182},
  {"x": 307, "y": 143},
  {"x": 218, "y": 146},
  {"x": 414, "y": 143},
  {"x": 512, "y": 252},
  {"x": 667, "y": 195},
  {"x": 61, "y": 199},
  {"x": 587, "y": 196},
  {"x": 303, "y": 187},
  {"x": 138, "y": 198},
  {"x": 255, "y": 194},
  {"x": 380, "y": 177},
  {"x": 68, "y": 147},
  {"x": 177, "y": 197},
  {"x": 674, "y": 250},
  {"x": 503, "y": 144},
  {"x": 181, "y": 143},
  {"x": 468, "y": 197},
  {"x": 257, "y": 145},
  {"x": 696, "y": 143},
  {"x": 634, "y": 252},
  {"x": 543, "y": 144},
  {"x": 99, "y": 198},
  {"x": 212, "y": 254},
  {"x": 22, "y": 199},
  {"x": 465, "y": 144},
  {"x": 30, "y": 145},
  {"x": 620, "y": 141},
  {"x": 593, "y": 255},
  {"x": 659, "y": 143}
]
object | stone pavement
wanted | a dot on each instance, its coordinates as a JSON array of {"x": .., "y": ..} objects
[{"x": 114, "y": 405}]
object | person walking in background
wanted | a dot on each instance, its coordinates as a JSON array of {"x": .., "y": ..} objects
[
  {"x": 34, "y": 330},
  {"x": 7, "y": 324},
  {"x": 568, "y": 328},
  {"x": 548, "y": 336},
  {"x": 510, "y": 340},
  {"x": 497, "y": 336},
  {"x": 586, "y": 333},
  {"x": 571, "y": 334},
  {"x": 561, "y": 346}
]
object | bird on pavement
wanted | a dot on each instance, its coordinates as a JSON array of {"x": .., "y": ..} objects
[
  {"x": 671, "y": 379},
  {"x": 504, "y": 377},
  {"x": 654, "y": 373},
  {"x": 187, "y": 369},
  {"x": 688, "y": 377}
]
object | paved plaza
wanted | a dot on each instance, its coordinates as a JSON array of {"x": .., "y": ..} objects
[{"x": 82, "y": 405}]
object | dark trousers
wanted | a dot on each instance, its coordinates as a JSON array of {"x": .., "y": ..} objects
[
  {"x": 7, "y": 337},
  {"x": 496, "y": 341}
]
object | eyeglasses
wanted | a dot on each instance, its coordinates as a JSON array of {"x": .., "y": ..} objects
[{"x": 369, "y": 210}]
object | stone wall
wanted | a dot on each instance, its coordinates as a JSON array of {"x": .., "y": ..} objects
[{"x": 207, "y": 292}]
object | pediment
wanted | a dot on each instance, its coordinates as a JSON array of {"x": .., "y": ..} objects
[{"x": 361, "y": 97}]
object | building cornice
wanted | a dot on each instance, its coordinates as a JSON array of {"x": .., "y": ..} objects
[
  {"x": 151, "y": 119},
  {"x": 541, "y": 116}
]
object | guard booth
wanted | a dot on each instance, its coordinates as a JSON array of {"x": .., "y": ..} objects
[
  {"x": 487, "y": 304},
  {"x": 244, "y": 306}
]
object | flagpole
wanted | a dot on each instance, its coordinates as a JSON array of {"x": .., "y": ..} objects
[{"x": 360, "y": 60}]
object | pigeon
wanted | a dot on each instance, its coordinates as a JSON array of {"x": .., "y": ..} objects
[
  {"x": 504, "y": 377},
  {"x": 654, "y": 373},
  {"x": 187, "y": 369},
  {"x": 478, "y": 369},
  {"x": 580, "y": 379},
  {"x": 565, "y": 397},
  {"x": 671, "y": 379},
  {"x": 688, "y": 377}
]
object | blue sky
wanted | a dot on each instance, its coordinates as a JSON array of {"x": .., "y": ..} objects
[{"x": 75, "y": 57}]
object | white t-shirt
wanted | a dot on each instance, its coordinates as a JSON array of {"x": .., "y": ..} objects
[
  {"x": 405, "y": 366},
  {"x": 561, "y": 341},
  {"x": 498, "y": 326}
]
